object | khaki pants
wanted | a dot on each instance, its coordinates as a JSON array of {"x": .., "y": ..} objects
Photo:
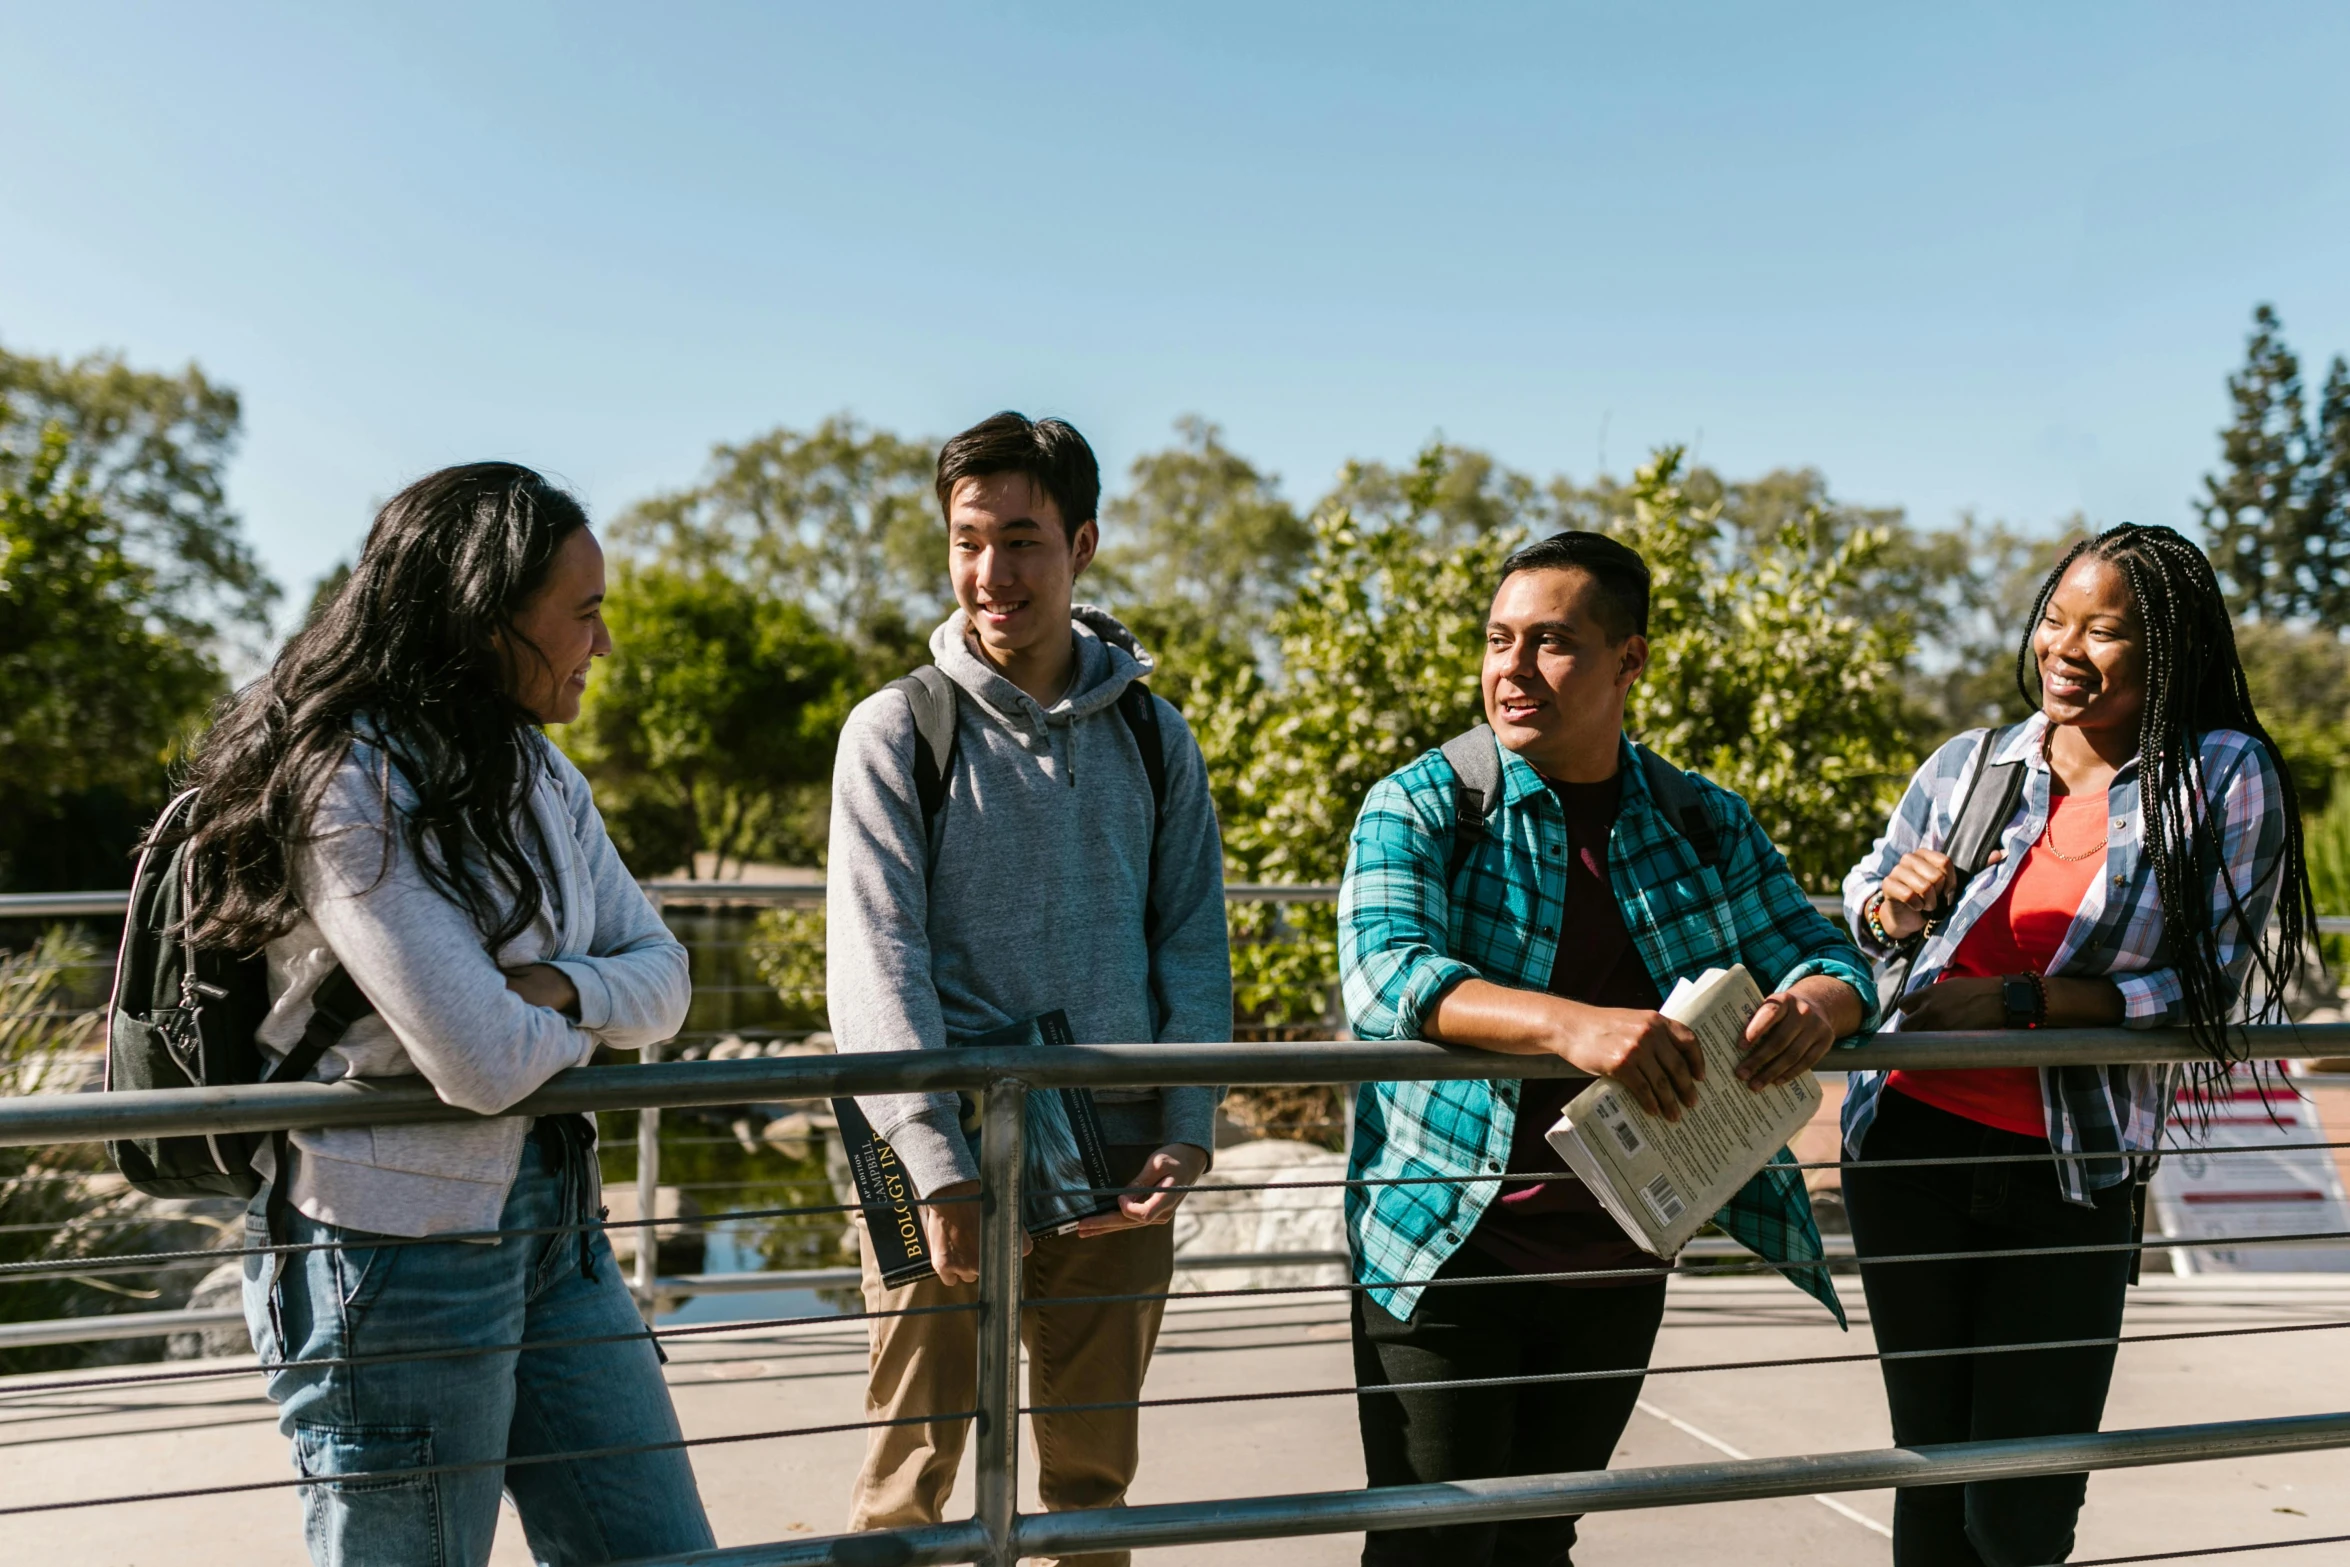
[{"x": 1076, "y": 1355}]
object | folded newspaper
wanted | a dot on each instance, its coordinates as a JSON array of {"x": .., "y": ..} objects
[{"x": 1662, "y": 1180}]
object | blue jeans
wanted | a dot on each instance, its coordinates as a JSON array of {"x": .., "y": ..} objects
[{"x": 364, "y": 1299}]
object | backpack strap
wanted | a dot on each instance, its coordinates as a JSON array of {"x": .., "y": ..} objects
[
  {"x": 1142, "y": 721},
  {"x": 1992, "y": 790},
  {"x": 334, "y": 1007},
  {"x": 1476, "y": 769},
  {"x": 1475, "y": 758},
  {"x": 1990, "y": 800},
  {"x": 930, "y": 692},
  {"x": 1677, "y": 797}
]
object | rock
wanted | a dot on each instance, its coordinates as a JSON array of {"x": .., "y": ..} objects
[
  {"x": 791, "y": 1135},
  {"x": 731, "y": 1048},
  {"x": 677, "y": 1251},
  {"x": 1212, "y": 1222},
  {"x": 813, "y": 1045},
  {"x": 223, "y": 1287}
]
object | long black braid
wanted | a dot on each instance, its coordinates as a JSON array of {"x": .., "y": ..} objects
[{"x": 2194, "y": 684}]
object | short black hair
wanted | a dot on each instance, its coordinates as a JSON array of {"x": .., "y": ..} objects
[
  {"x": 1050, "y": 451},
  {"x": 1618, "y": 569}
]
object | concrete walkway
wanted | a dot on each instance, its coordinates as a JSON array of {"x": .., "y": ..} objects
[{"x": 58, "y": 1442}]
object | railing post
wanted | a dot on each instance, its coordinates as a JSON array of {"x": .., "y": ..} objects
[
  {"x": 648, "y": 1199},
  {"x": 1000, "y": 1234}
]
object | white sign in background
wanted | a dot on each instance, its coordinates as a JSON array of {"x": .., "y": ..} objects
[{"x": 2267, "y": 1189}]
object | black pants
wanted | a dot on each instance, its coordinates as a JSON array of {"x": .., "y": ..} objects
[
  {"x": 1498, "y": 1329},
  {"x": 2016, "y": 1300}
]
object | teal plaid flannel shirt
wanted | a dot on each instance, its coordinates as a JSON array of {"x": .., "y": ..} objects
[{"x": 1404, "y": 938}]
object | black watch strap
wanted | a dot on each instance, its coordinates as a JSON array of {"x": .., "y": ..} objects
[{"x": 2019, "y": 998}]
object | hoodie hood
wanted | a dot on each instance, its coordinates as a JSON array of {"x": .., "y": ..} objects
[{"x": 1109, "y": 659}]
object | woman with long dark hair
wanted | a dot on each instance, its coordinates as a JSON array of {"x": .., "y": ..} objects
[
  {"x": 382, "y": 809},
  {"x": 2131, "y": 883}
]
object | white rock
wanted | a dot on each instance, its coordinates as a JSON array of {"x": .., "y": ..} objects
[{"x": 1223, "y": 1223}]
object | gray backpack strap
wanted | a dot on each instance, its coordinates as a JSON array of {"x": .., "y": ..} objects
[
  {"x": 1677, "y": 797},
  {"x": 1990, "y": 800},
  {"x": 1992, "y": 790},
  {"x": 931, "y": 694},
  {"x": 1476, "y": 790}
]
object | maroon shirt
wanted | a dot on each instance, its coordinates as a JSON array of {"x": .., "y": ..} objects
[{"x": 1558, "y": 1226}]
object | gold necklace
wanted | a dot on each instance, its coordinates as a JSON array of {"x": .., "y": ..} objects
[{"x": 2048, "y": 838}]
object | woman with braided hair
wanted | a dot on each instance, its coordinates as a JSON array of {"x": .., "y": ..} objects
[{"x": 2152, "y": 832}]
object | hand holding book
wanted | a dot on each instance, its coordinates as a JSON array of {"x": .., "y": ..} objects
[
  {"x": 950, "y": 1223},
  {"x": 1157, "y": 1191},
  {"x": 1662, "y": 1177}
]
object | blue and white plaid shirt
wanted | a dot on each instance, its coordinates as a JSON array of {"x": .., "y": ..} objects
[
  {"x": 1405, "y": 937},
  {"x": 2117, "y": 932}
]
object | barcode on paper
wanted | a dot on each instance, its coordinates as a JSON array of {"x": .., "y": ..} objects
[
  {"x": 1662, "y": 1200},
  {"x": 1612, "y": 1114}
]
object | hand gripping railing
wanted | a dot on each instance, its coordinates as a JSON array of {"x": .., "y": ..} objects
[{"x": 999, "y": 1533}]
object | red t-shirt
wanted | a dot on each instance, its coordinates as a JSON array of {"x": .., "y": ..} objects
[{"x": 2019, "y": 934}]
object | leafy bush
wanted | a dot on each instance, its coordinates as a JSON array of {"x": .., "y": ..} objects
[
  {"x": 55, "y": 1203},
  {"x": 1760, "y": 675}
]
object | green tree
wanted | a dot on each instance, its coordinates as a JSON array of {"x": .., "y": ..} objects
[
  {"x": 1768, "y": 677},
  {"x": 841, "y": 520},
  {"x": 323, "y": 591},
  {"x": 1378, "y": 659},
  {"x": 2251, "y": 509},
  {"x": 99, "y": 684},
  {"x": 712, "y": 728},
  {"x": 2300, "y": 680},
  {"x": 152, "y": 449},
  {"x": 2325, "y": 505},
  {"x": 1200, "y": 552},
  {"x": 1761, "y": 675},
  {"x": 1451, "y": 493},
  {"x": 1200, "y": 528}
]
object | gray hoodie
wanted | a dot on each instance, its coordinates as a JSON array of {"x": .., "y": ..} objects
[{"x": 1033, "y": 897}]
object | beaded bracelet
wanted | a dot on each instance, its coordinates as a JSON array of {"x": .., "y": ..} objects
[{"x": 1871, "y": 915}]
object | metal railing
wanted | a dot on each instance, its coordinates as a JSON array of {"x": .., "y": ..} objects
[
  {"x": 998, "y": 1533},
  {"x": 792, "y": 894}
]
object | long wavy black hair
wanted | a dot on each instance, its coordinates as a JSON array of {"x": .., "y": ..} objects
[
  {"x": 405, "y": 654},
  {"x": 2194, "y": 684}
]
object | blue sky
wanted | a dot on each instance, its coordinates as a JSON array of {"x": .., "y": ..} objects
[{"x": 1996, "y": 258}]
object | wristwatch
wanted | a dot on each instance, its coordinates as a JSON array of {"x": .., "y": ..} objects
[{"x": 2024, "y": 999}]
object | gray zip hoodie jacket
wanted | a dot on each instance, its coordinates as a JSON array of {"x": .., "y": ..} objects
[{"x": 1032, "y": 897}]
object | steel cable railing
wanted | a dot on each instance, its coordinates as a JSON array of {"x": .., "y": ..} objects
[{"x": 1003, "y": 1078}]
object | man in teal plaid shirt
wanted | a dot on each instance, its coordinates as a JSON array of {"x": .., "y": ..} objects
[{"x": 1578, "y": 904}]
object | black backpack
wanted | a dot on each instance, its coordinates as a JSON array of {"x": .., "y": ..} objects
[
  {"x": 930, "y": 692},
  {"x": 1476, "y": 770},
  {"x": 183, "y": 1016}
]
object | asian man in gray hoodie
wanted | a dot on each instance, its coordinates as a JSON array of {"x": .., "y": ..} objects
[{"x": 1053, "y": 877}]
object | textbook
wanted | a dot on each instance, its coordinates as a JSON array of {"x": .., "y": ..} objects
[
  {"x": 1660, "y": 1179},
  {"x": 1064, "y": 1167}
]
